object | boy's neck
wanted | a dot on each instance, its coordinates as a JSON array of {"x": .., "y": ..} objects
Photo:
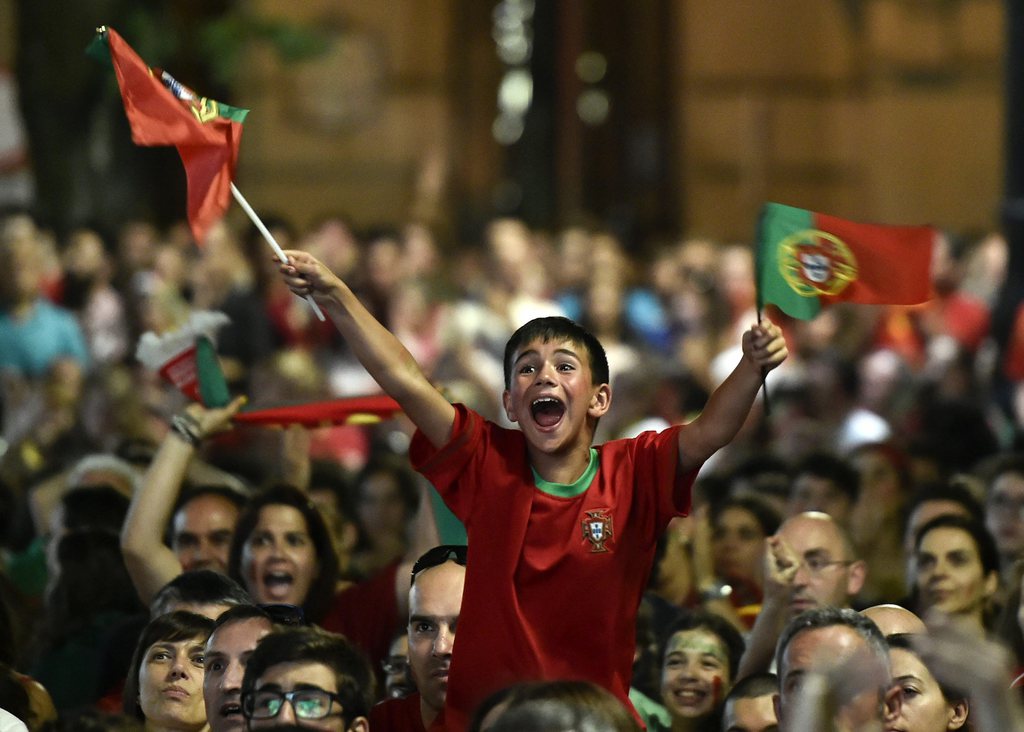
[{"x": 565, "y": 468}]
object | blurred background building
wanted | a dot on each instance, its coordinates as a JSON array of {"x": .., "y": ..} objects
[{"x": 660, "y": 117}]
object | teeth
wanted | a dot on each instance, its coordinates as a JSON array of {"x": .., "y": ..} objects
[{"x": 545, "y": 400}]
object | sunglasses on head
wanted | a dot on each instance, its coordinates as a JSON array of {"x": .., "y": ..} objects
[
  {"x": 284, "y": 614},
  {"x": 438, "y": 556}
]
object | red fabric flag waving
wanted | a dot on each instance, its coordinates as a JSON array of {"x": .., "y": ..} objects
[
  {"x": 808, "y": 260},
  {"x": 206, "y": 133}
]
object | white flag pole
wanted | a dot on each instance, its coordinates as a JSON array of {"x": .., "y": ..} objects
[{"x": 270, "y": 240}]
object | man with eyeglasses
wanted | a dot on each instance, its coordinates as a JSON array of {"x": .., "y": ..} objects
[
  {"x": 435, "y": 599},
  {"x": 308, "y": 678},
  {"x": 811, "y": 565}
]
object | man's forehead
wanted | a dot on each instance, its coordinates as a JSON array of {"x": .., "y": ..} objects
[
  {"x": 240, "y": 632},
  {"x": 815, "y": 645},
  {"x": 806, "y": 534}
]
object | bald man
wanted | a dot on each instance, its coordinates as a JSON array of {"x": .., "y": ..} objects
[
  {"x": 811, "y": 565},
  {"x": 894, "y": 619}
]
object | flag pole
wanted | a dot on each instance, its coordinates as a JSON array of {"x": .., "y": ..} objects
[
  {"x": 270, "y": 240},
  {"x": 764, "y": 379}
]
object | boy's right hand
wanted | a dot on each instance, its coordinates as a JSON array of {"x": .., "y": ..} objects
[{"x": 306, "y": 275}]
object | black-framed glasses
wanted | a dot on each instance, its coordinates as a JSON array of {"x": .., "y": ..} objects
[
  {"x": 284, "y": 614},
  {"x": 438, "y": 556},
  {"x": 817, "y": 564},
  {"x": 309, "y": 703}
]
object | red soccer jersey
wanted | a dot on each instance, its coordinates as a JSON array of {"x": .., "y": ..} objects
[{"x": 552, "y": 582}]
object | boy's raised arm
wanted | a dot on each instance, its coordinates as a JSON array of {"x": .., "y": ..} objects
[
  {"x": 764, "y": 348},
  {"x": 378, "y": 350}
]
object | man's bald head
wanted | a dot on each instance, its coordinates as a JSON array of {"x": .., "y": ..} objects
[
  {"x": 894, "y": 620},
  {"x": 829, "y": 572}
]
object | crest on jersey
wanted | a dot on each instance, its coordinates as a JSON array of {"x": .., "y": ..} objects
[
  {"x": 598, "y": 529},
  {"x": 815, "y": 262}
]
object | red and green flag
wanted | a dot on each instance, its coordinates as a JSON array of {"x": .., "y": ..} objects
[
  {"x": 163, "y": 111},
  {"x": 807, "y": 261}
]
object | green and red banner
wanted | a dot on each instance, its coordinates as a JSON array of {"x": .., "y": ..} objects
[
  {"x": 807, "y": 261},
  {"x": 163, "y": 111}
]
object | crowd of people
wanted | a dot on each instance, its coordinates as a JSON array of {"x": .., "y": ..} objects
[{"x": 774, "y": 524}]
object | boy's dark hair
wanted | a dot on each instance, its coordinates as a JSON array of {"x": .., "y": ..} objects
[
  {"x": 754, "y": 685},
  {"x": 199, "y": 587},
  {"x": 353, "y": 673},
  {"x": 558, "y": 328},
  {"x": 831, "y": 468},
  {"x": 703, "y": 620},
  {"x": 988, "y": 553},
  {"x": 170, "y": 628},
  {"x": 321, "y": 593}
]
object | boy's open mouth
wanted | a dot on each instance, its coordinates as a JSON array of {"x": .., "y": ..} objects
[{"x": 547, "y": 411}]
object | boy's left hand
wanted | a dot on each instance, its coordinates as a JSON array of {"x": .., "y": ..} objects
[{"x": 764, "y": 346}]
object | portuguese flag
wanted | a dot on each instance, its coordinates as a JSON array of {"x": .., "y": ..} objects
[
  {"x": 163, "y": 111},
  {"x": 808, "y": 260}
]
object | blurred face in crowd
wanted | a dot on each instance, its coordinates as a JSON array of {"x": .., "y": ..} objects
[
  {"x": 434, "y": 604},
  {"x": 923, "y": 706},
  {"x": 227, "y": 652},
  {"x": 398, "y": 681},
  {"x": 828, "y": 574},
  {"x": 880, "y": 479},
  {"x": 279, "y": 562},
  {"x": 950, "y": 576},
  {"x": 381, "y": 507},
  {"x": 1004, "y": 513},
  {"x": 922, "y": 514},
  {"x": 820, "y": 650},
  {"x": 750, "y": 714},
  {"x": 737, "y": 545},
  {"x": 694, "y": 674},
  {"x": 814, "y": 493},
  {"x": 201, "y": 533},
  {"x": 171, "y": 684}
]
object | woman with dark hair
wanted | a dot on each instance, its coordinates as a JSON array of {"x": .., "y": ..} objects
[
  {"x": 386, "y": 500},
  {"x": 282, "y": 552},
  {"x": 699, "y": 658},
  {"x": 926, "y": 705},
  {"x": 164, "y": 687},
  {"x": 90, "y": 595},
  {"x": 957, "y": 567}
]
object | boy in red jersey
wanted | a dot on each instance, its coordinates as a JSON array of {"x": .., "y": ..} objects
[{"x": 562, "y": 534}]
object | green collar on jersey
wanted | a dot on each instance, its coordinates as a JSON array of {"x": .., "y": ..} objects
[{"x": 568, "y": 490}]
